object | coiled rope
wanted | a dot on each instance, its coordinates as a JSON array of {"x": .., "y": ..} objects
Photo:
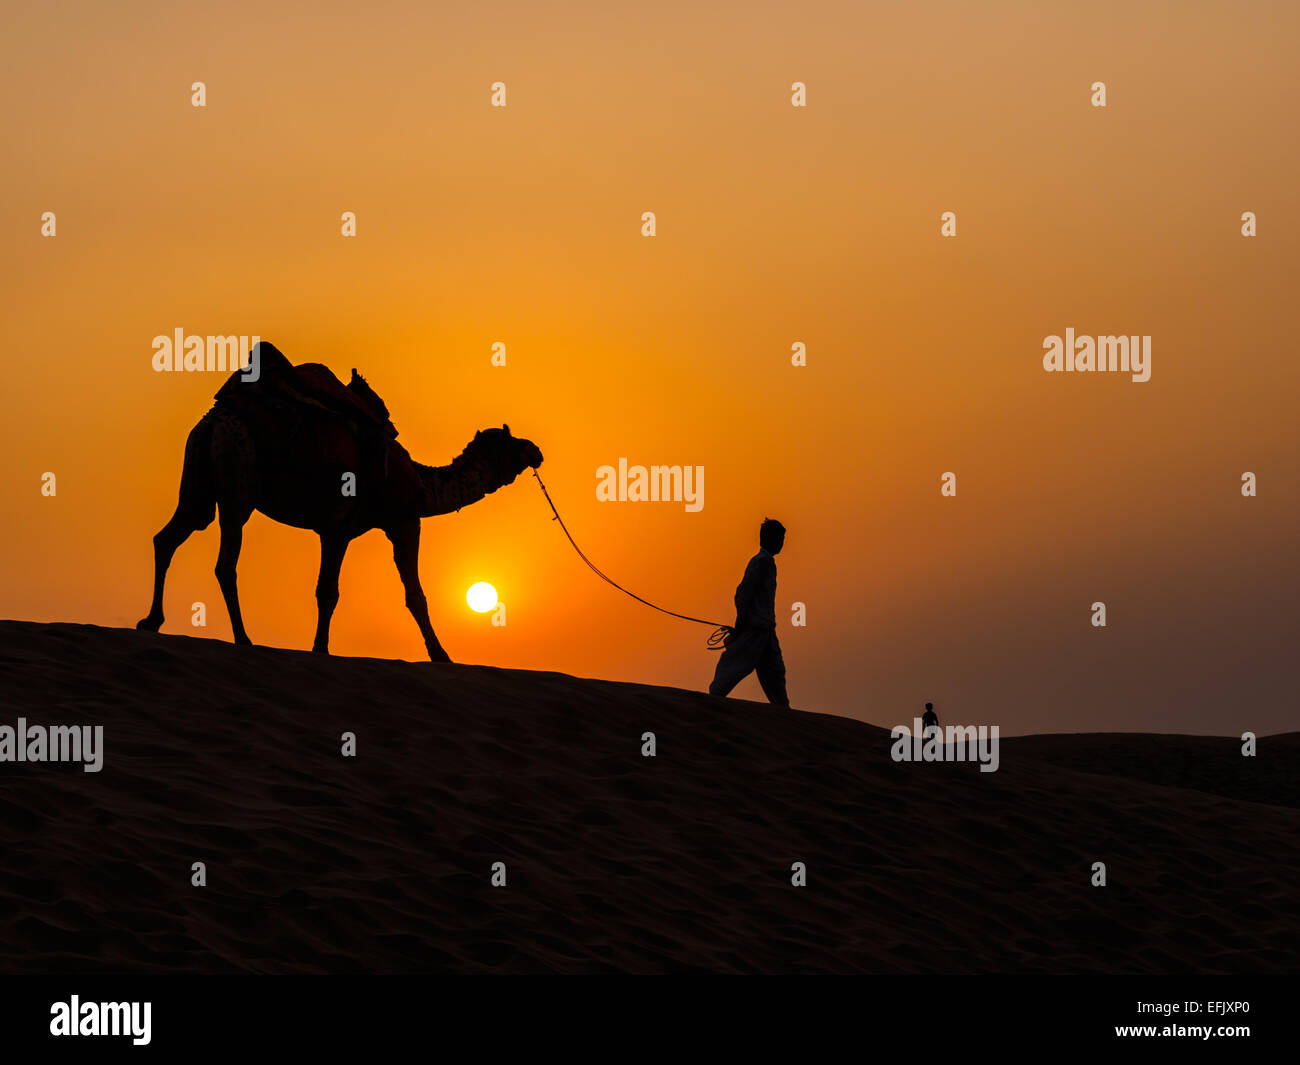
[{"x": 718, "y": 638}]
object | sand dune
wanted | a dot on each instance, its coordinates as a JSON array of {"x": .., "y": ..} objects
[
  {"x": 615, "y": 862},
  {"x": 1196, "y": 762}
]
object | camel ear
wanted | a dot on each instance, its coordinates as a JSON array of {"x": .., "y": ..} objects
[{"x": 506, "y": 428}]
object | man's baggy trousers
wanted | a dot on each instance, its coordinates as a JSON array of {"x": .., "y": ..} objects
[{"x": 748, "y": 650}]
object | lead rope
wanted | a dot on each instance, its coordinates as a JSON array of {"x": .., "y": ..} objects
[{"x": 719, "y": 635}]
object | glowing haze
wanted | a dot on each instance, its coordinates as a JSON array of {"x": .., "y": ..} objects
[{"x": 776, "y": 225}]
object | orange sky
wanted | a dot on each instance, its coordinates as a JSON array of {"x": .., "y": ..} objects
[{"x": 776, "y": 225}]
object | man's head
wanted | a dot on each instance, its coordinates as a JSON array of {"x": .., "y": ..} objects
[
  {"x": 771, "y": 536},
  {"x": 929, "y": 706}
]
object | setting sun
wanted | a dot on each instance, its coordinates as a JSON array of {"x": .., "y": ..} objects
[{"x": 481, "y": 597}]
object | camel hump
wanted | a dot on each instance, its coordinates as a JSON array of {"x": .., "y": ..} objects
[
  {"x": 272, "y": 370},
  {"x": 273, "y": 360},
  {"x": 361, "y": 388},
  {"x": 309, "y": 384},
  {"x": 356, "y": 399}
]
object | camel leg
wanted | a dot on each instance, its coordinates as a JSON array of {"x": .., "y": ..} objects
[
  {"x": 406, "y": 553},
  {"x": 165, "y": 543},
  {"x": 332, "y": 550},
  {"x": 232, "y": 537},
  {"x": 194, "y": 511}
]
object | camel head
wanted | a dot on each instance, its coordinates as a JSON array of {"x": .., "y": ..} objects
[{"x": 508, "y": 455}]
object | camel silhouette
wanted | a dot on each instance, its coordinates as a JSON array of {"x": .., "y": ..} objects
[{"x": 290, "y": 446}]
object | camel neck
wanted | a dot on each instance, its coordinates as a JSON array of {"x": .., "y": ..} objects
[{"x": 464, "y": 481}]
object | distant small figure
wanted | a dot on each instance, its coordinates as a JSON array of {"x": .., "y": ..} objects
[
  {"x": 929, "y": 719},
  {"x": 752, "y": 644}
]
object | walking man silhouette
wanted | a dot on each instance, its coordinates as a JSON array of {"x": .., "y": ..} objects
[{"x": 752, "y": 644}]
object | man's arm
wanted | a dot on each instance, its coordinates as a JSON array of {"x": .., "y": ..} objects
[{"x": 751, "y": 585}]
